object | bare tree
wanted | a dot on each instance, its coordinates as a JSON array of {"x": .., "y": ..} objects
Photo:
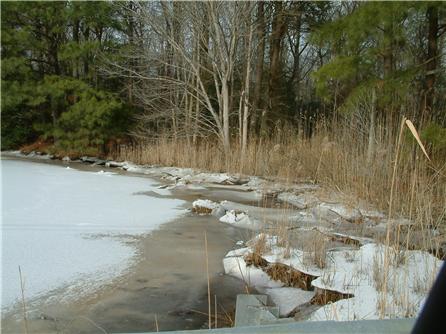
[
  {"x": 189, "y": 68},
  {"x": 279, "y": 27},
  {"x": 245, "y": 96},
  {"x": 260, "y": 54}
]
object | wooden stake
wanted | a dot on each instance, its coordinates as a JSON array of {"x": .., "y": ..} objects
[
  {"x": 215, "y": 309},
  {"x": 209, "y": 285},
  {"x": 22, "y": 287}
]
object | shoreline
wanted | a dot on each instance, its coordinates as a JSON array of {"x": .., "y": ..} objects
[
  {"x": 171, "y": 285},
  {"x": 324, "y": 216}
]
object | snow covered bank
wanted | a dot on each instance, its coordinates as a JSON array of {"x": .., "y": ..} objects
[
  {"x": 68, "y": 228},
  {"x": 300, "y": 195},
  {"x": 358, "y": 273}
]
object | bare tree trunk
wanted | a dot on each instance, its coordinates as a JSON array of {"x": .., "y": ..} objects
[
  {"x": 277, "y": 33},
  {"x": 246, "y": 99},
  {"x": 260, "y": 33},
  {"x": 197, "y": 117},
  {"x": 196, "y": 100},
  {"x": 240, "y": 120},
  {"x": 131, "y": 36},
  {"x": 296, "y": 63},
  {"x": 225, "y": 45},
  {"x": 76, "y": 28},
  {"x": 432, "y": 61},
  {"x": 202, "y": 49},
  {"x": 225, "y": 113}
]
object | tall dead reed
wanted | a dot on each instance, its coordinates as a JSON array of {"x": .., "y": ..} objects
[{"x": 334, "y": 156}]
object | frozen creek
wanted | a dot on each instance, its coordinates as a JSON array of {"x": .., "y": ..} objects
[{"x": 117, "y": 229}]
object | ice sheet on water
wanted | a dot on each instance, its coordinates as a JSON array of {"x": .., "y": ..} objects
[{"x": 57, "y": 224}]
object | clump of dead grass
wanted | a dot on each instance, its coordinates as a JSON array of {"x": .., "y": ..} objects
[
  {"x": 315, "y": 250},
  {"x": 254, "y": 259},
  {"x": 290, "y": 277},
  {"x": 260, "y": 244},
  {"x": 201, "y": 210},
  {"x": 324, "y": 296},
  {"x": 281, "y": 272},
  {"x": 346, "y": 240}
]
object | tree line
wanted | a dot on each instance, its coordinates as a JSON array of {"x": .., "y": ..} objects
[{"x": 79, "y": 74}]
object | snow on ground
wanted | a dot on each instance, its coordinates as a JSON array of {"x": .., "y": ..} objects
[
  {"x": 235, "y": 265},
  {"x": 288, "y": 298},
  {"x": 291, "y": 257},
  {"x": 349, "y": 271},
  {"x": 205, "y": 203},
  {"x": 101, "y": 172},
  {"x": 263, "y": 213},
  {"x": 301, "y": 201},
  {"x": 248, "y": 216},
  {"x": 261, "y": 217},
  {"x": 241, "y": 219},
  {"x": 256, "y": 218},
  {"x": 209, "y": 207},
  {"x": 66, "y": 227},
  {"x": 211, "y": 178},
  {"x": 186, "y": 175},
  {"x": 361, "y": 273},
  {"x": 310, "y": 210},
  {"x": 190, "y": 175},
  {"x": 236, "y": 193},
  {"x": 32, "y": 154},
  {"x": 346, "y": 212}
]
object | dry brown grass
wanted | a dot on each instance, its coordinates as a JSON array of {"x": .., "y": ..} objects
[
  {"x": 345, "y": 239},
  {"x": 201, "y": 210},
  {"x": 290, "y": 276},
  {"x": 315, "y": 250},
  {"x": 259, "y": 244},
  {"x": 323, "y": 296},
  {"x": 419, "y": 189},
  {"x": 38, "y": 146},
  {"x": 281, "y": 272},
  {"x": 48, "y": 147},
  {"x": 254, "y": 259}
]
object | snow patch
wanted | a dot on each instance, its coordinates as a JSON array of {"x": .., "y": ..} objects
[
  {"x": 348, "y": 213},
  {"x": 240, "y": 219},
  {"x": 207, "y": 207},
  {"x": 101, "y": 172},
  {"x": 288, "y": 298},
  {"x": 357, "y": 272},
  {"x": 360, "y": 273},
  {"x": 205, "y": 203},
  {"x": 301, "y": 201},
  {"x": 235, "y": 265}
]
